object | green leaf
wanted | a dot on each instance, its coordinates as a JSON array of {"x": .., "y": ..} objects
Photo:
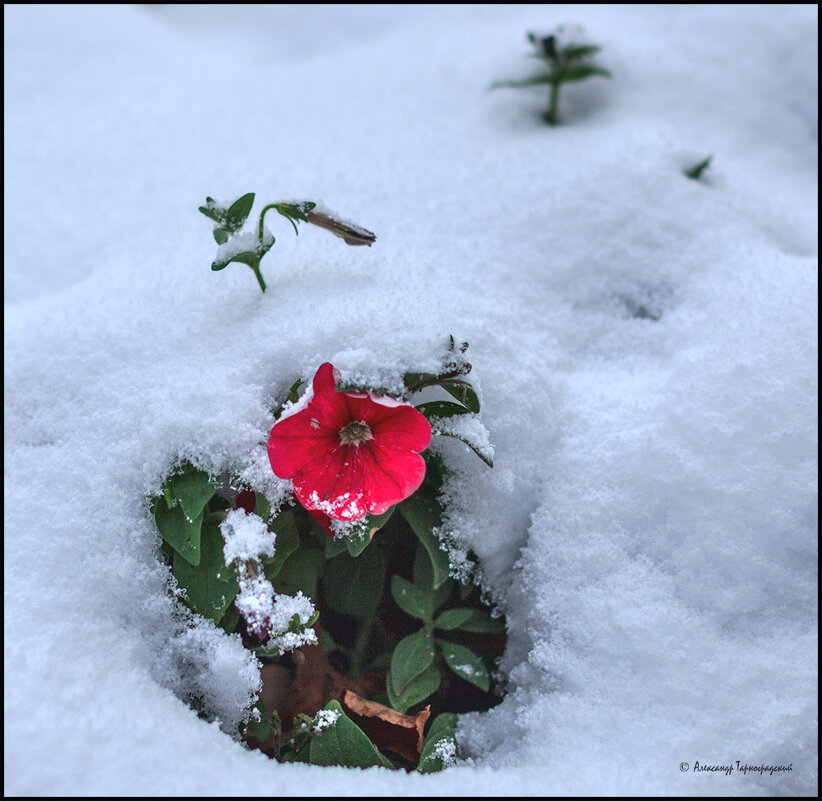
[
  {"x": 301, "y": 572},
  {"x": 261, "y": 506},
  {"x": 452, "y": 618},
  {"x": 441, "y": 409},
  {"x": 228, "y": 622},
  {"x": 417, "y": 690},
  {"x": 696, "y": 171},
  {"x": 424, "y": 515},
  {"x": 238, "y": 212},
  {"x": 295, "y": 211},
  {"x": 210, "y": 586},
  {"x": 443, "y": 593},
  {"x": 483, "y": 623},
  {"x": 422, "y": 571},
  {"x": 357, "y": 543},
  {"x": 212, "y": 210},
  {"x": 375, "y": 522},
  {"x": 579, "y": 72},
  {"x": 355, "y": 586},
  {"x": 193, "y": 489},
  {"x": 170, "y": 500},
  {"x": 249, "y": 257},
  {"x": 358, "y": 535},
  {"x": 262, "y": 728},
  {"x": 535, "y": 80},
  {"x": 417, "y": 381},
  {"x": 423, "y": 574},
  {"x": 415, "y": 601},
  {"x": 221, "y": 235},
  {"x": 573, "y": 52},
  {"x": 443, "y": 728},
  {"x": 412, "y": 656},
  {"x": 179, "y": 532},
  {"x": 470, "y": 444},
  {"x": 463, "y": 392},
  {"x": 344, "y": 743},
  {"x": 287, "y": 540},
  {"x": 466, "y": 664},
  {"x": 293, "y": 393},
  {"x": 334, "y": 546}
]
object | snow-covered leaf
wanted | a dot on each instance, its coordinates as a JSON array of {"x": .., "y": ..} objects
[{"x": 440, "y": 748}]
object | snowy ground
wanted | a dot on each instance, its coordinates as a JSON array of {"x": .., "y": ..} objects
[{"x": 650, "y": 524}]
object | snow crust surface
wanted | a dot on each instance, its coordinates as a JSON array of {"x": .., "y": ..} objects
[{"x": 644, "y": 346}]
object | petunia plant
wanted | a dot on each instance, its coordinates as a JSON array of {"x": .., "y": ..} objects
[
  {"x": 372, "y": 637},
  {"x": 249, "y": 247},
  {"x": 564, "y": 61}
]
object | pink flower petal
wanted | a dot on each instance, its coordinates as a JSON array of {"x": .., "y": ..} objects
[
  {"x": 334, "y": 484},
  {"x": 400, "y": 428},
  {"x": 348, "y": 481},
  {"x": 295, "y": 441},
  {"x": 390, "y": 476}
]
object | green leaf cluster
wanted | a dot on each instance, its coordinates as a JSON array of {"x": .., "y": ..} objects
[
  {"x": 228, "y": 221},
  {"x": 188, "y": 514},
  {"x": 450, "y": 379},
  {"x": 189, "y": 526},
  {"x": 569, "y": 63},
  {"x": 415, "y": 674}
]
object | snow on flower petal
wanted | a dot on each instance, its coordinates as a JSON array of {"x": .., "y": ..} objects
[{"x": 350, "y": 454}]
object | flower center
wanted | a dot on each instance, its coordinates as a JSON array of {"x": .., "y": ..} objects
[{"x": 355, "y": 433}]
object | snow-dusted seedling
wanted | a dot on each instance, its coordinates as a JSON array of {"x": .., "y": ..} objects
[
  {"x": 249, "y": 247},
  {"x": 567, "y": 61}
]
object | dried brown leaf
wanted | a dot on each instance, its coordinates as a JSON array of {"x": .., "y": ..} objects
[{"x": 388, "y": 729}]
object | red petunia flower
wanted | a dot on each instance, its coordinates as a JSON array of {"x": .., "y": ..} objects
[{"x": 350, "y": 453}]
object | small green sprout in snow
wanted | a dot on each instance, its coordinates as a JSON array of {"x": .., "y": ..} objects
[
  {"x": 696, "y": 171},
  {"x": 566, "y": 63},
  {"x": 249, "y": 247}
]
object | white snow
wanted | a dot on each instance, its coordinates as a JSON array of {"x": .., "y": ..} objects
[
  {"x": 644, "y": 346},
  {"x": 325, "y": 718},
  {"x": 446, "y": 751},
  {"x": 266, "y": 612},
  {"x": 242, "y": 242},
  {"x": 246, "y": 537}
]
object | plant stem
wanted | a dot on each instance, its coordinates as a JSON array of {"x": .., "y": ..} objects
[
  {"x": 551, "y": 114},
  {"x": 360, "y": 647},
  {"x": 256, "y": 270},
  {"x": 260, "y": 228}
]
